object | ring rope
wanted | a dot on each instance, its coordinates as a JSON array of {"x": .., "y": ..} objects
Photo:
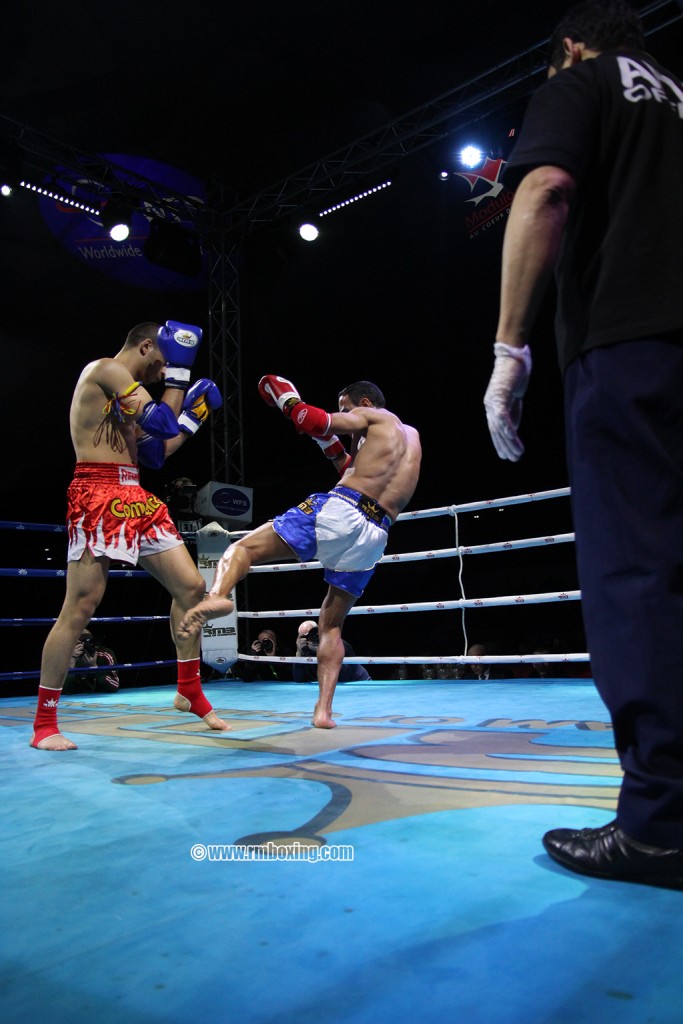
[
  {"x": 419, "y": 659},
  {"x": 61, "y": 573},
  {"x": 416, "y": 556},
  {"x": 122, "y": 667},
  {"x": 43, "y": 527},
  {"x": 423, "y": 606},
  {"x": 462, "y": 603},
  {"x": 474, "y": 506},
  {"x": 458, "y": 551},
  {"x": 104, "y": 618},
  {"x": 461, "y": 582},
  {"x": 451, "y": 510}
]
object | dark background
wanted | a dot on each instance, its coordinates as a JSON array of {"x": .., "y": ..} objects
[{"x": 241, "y": 94}]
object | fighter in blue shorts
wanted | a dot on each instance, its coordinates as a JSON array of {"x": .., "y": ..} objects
[{"x": 345, "y": 529}]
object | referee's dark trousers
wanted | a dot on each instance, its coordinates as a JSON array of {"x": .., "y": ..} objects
[{"x": 624, "y": 428}]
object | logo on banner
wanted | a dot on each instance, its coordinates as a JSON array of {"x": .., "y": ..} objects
[
  {"x": 84, "y": 236},
  {"x": 230, "y": 502},
  {"x": 487, "y": 189}
]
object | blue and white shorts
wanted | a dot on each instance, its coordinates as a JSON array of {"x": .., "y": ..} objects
[{"x": 343, "y": 529}]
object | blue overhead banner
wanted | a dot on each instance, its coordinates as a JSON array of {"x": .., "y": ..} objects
[{"x": 84, "y": 236}]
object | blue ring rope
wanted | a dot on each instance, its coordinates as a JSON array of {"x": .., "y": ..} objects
[
  {"x": 44, "y": 527},
  {"x": 61, "y": 573},
  {"x": 104, "y": 618},
  {"x": 4, "y": 676}
]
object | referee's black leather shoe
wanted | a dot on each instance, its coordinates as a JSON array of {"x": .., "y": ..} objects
[{"x": 608, "y": 852}]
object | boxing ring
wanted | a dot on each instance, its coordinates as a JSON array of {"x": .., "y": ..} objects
[
  {"x": 212, "y": 541},
  {"x": 390, "y": 868}
]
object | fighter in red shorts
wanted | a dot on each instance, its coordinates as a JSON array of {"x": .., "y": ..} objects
[{"x": 115, "y": 424}]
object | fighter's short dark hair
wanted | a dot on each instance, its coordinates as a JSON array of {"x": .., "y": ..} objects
[
  {"x": 602, "y": 26},
  {"x": 364, "y": 389},
  {"x": 137, "y": 334}
]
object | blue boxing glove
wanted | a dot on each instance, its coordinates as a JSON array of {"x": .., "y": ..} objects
[
  {"x": 179, "y": 344},
  {"x": 202, "y": 397}
]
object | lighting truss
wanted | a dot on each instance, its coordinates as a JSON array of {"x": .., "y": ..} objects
[
  {"x": 422, "y": 127},
  {"x": 92, "y": 179}
]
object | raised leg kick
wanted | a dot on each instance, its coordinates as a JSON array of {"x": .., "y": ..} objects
[{"x": 260, "y": 545}]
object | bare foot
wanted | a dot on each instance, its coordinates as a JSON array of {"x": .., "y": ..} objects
[
  {"x": 181, "y": 703},
  {"x": 54, "y": 742},
  {"x": 322, "y": 719},
  {"x": 210, "y": 608},
  {"x": 214, "y": 722}
]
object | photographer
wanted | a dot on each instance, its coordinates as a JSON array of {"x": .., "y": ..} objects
[
  {"x": 266, "y": 671},
  {"x": 307, "y": 641},
  {"x": 89, "y": 653},
  {"x": 180, "y": 499}
]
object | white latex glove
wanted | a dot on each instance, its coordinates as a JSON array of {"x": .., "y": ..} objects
[{"x": 503, "y": 398}]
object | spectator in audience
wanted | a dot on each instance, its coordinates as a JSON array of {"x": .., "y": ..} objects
[
  {"x": 89, "y": 653},
  {"x": 307, "y": 640},
  {"x": 547, "y": 669},
  {"x": 265, "y": 645},
  {"x": 479, "y": 670}
]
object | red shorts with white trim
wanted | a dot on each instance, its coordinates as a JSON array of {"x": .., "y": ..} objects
[{"x": 111, "y": 515}]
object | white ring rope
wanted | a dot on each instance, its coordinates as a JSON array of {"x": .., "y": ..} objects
[
  {"x": 422, "y": 606},
  {"x": 418, "y": 556},
  {"x": 476, "y": 506},
  {"x": 427, "y": 606},
  {"x": 420, "y": 659}
]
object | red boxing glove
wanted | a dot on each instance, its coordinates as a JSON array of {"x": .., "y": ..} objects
[
  {"x": 309, "y": 420},
  {"x": 278, "y": 391}
]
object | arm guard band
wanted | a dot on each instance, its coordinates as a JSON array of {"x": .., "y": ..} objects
[
  {"x": 158, "y": 420},
  {"x": 151, "y": 451},
  {"x": 308, "y": 419}
]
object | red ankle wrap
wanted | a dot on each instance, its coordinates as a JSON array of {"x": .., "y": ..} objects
[
  {"x": 45, "y": 722},
  {"x": 190, "y": 687}
]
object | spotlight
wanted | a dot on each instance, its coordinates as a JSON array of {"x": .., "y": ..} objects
[
  {"x": 173, "y": 248},
  {"x": 116, "y": 215},
  {"x": 471, "y": 156},
  {"x": 308, "y": 231},
  {"x": 443, "y": 175},
  {"x": 9, "y": 171}
]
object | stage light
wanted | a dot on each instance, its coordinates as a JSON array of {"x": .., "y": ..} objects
[
  {"x": 471, "y": 156},
  {"x": 308, "y": 231},
  {"x": 443, "y": 175},
  {"x": 9, "y": 170},
  {"x": 355, "y": 199},
  {"x": 116, "y": 215},
  {"x": 59, "y": 197}
]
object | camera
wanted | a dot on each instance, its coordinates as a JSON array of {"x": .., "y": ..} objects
[
  {"x": 266, "y": 646},
  {"x": 89, "y": 645},
  {"x": 312, "y": 639}
]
